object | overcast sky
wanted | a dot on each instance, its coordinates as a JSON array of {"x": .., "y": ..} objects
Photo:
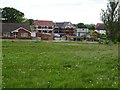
[{"x": 75, "y": 11}]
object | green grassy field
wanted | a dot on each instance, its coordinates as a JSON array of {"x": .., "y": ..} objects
[{"x": 36, "y": 64}]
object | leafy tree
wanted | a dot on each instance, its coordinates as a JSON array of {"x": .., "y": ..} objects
[
  {"x": 110, "y": 18},
  {"x": 28, "y": 21},
  {"x": 118, "y": 35},
  {"x": 90, "y": 26},
  {"x": 11, "y": 15},
  {"x": 31, "y": 21},
  {"x": 81, "y": 25}
]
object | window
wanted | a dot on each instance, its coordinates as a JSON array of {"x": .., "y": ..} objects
[
  {"x": 49, "y": 27},
  {"x": 42, "y": 27},
  {"x": 50, "y": 32},
  {"x": 45, "y": 27},
  {"x": 24, "y": 34},
  {"x": 15, "y": 34},
  {"x": 39, "y": 31},
  {"x": 39, "y": 27},
  {"x": 6, "y": 34}
]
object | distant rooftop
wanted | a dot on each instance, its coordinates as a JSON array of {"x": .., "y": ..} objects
[
  {"x": 7, "y": 27},
  {"x": 44, "y": 23},
  {"x": 99, "y": 26}
]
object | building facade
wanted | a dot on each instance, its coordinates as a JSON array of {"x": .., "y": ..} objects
[
  {"x": 43, "y": 26},
  {"x": 64, "y": 28},
  {"x": 15, "y": 30}
]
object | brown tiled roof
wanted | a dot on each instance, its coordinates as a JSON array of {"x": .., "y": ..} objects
[
  {"x": 99, "y": 26},
  {"x": 8, "y": 27},
  {"x": 44, "y": 23}
]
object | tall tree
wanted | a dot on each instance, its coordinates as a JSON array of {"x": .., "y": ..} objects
[
  {"x": 90, "y": 26},
  {"x": 81, "y": 25},
  {"x": 11, "y": 15},
  {"x": 30, "y": 21},
  {"x": 118, "y": 23},
  {"x": 110, "y": 19}
]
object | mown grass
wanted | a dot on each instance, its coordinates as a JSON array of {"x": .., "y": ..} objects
[{"x": 59, "y": 65}]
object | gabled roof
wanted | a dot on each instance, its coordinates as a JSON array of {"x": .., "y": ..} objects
[
  {"x": 44, "y": 23},
  {"x": 20, "y": 29},
  {"x": 59, "y": 24},
  {"x": 62, "y": 24},
  {"x": 99, "y": 26},
  {"x": 66, "y": 23},
  {"x": 8, "y": 27}
]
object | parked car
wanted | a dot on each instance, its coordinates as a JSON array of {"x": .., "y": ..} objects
[{"x": 56, "y": 35}]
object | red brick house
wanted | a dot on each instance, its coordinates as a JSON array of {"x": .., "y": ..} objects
[
  {"x": 21, "y": 33},
  {"x": 15, "y": 30}
]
